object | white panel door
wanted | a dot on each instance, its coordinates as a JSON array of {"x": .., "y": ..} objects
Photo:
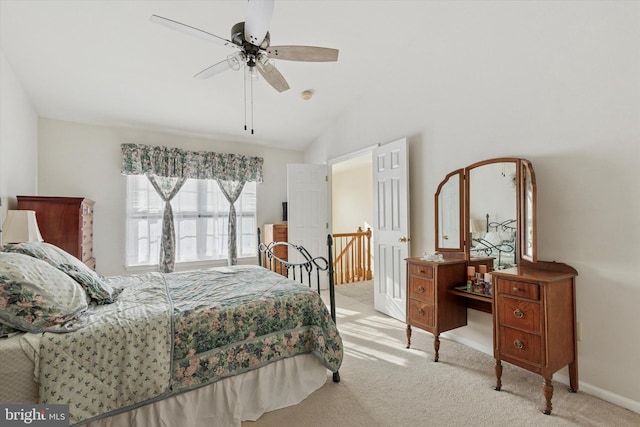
[
  {"x": 307, "y": 209},
  {"x": 391, "y": 227}
]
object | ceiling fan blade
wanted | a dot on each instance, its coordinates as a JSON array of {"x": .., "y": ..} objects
[
  {"x": 233, "y": 62},
  {"x": 257, "y": 22},
  {"x": 303, "y": 53},
  {"x": 272, "y": 76},
  {"x": 187, "y": 29},
  {"x": 213, "y": 70}
]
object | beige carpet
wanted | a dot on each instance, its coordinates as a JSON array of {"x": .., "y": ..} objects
[{"x": 385, "y": 384}]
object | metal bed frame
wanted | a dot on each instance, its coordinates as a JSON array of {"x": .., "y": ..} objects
[
  {"x": 305, "y": 272},
  {"x": 489, "y": 249}
]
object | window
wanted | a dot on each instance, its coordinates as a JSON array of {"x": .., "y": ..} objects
[{"x": 201, "y": 219}]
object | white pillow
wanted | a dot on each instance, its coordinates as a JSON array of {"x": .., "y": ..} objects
[{"x": 493, "y": 238}]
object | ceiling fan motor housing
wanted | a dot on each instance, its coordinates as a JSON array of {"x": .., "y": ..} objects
[{"x": 237, "y": 37}]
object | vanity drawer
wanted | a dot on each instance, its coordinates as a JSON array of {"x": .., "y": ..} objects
[
  {"x": 425, "y": 271},
  {"x": 519, "y": 289},
  {"x": 421, "y": 289},
  {"x": 519, "y": 314},
  {"x": 520, "y": 345},
  {"x": 420, "y": 313}
]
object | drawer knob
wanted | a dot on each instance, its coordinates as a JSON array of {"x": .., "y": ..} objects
[
  {"x": 421, "y": 312},
  {"x": 516, "y": 289},
  {"x": 518, "y": 344},
  {"x": 518, "y": 313},
  {"x": 420, "y": 289}
]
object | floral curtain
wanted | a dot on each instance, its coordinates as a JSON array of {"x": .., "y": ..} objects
[
  {"x": 138, "y": 159},
  {"x": 167, "y": 188},
  {"x": 231, "y": 171},
  {"x": 232, "y": 190}
]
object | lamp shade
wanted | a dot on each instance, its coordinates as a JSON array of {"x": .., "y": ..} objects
[{"x": 20, "y": 226}]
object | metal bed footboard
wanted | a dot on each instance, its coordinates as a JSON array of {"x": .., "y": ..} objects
[{"x": 306, "y": 271}]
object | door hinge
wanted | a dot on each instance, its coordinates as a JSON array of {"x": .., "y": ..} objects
[
  {"x": 326, "y": 225},
  {"x": 326, "y": 178}
]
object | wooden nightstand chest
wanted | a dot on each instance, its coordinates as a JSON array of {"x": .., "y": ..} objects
[{"x": 535, "y": 322}]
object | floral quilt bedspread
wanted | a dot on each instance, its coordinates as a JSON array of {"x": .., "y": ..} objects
[{"x": 169, "y": 333}]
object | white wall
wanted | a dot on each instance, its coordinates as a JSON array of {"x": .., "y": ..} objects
[
  {"x": 18, "y": 139},
  {"x": 352, "y": 199},
  {"x": 79, "y": 160},
  {"x": 557, "y": 83}
]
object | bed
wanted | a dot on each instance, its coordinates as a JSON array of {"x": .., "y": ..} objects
[
  {"x": 203, "y": 347},
  {"x": 495, "y": 239}
]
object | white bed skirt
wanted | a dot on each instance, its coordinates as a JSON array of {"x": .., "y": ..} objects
[{"x": 230, "y": 401}]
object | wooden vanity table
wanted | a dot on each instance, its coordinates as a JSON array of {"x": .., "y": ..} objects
[
  {"x": 430, "y": 304},
  {"x": 532, "y": 302}
]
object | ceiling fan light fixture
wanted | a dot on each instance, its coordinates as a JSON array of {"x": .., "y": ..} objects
[
  {"x": 307, "y": 94},
  {"x": 234, "y": 61},
  {"x": 252, "y": 73},
  {"x": 264, "y": 59}
]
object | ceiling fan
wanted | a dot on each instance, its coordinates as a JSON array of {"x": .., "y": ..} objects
[{"x": 251, "y": 42}]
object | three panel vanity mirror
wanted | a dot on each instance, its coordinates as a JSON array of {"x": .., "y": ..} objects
[{"x": 488, "y": 209}]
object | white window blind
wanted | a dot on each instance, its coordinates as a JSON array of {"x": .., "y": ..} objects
[{"x": 201, "y": 217}]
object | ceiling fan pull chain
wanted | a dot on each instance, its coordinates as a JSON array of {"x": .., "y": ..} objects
[
  {"x": 245, "y": 98},
  {"x": 251, "y": 106}
]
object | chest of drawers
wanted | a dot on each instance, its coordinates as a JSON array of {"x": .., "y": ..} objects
[
  {"x": 429, "y": 304},
  {"x": 534, "y": 323},
  {"x": 66, "y": 222},
  {"x": 277, "y": 233}
]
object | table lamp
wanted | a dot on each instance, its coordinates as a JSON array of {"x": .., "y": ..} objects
[{"x": 20, "y": 226}]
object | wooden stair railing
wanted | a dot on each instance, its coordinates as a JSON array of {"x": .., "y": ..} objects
[{"x": 352, "y": 256}]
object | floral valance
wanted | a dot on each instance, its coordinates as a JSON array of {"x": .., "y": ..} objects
[{"x": 138, "y": 159}]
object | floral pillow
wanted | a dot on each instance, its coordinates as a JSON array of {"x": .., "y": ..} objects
[
  {"x": 96, "y": 288},
  {"x": 35, "y": 297}
]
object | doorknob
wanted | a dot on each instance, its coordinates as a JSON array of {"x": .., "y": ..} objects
[{"x": 404, "y": 239}]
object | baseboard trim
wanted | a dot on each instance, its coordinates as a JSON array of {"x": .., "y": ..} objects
[
  {"x": 587, "y": 388},
  {"x": 601, "y": 393},
  {"x": 469, "y": 343}
]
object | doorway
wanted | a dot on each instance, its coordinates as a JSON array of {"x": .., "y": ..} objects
[
  {"x": 352, "y": 194},
  {"x": 352, "y": 218},
  {"x": 371, "y": 188}
]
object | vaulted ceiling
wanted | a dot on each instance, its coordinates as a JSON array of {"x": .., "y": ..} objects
[{"x": 105, "y": 62}]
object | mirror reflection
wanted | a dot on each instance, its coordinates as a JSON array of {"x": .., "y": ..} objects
[
  {"x": 528, "y": 218},
  {"x": 488, "y": 209},
  {"x": 448, "y": 219},
  {"x": 493, "y": 213}
]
